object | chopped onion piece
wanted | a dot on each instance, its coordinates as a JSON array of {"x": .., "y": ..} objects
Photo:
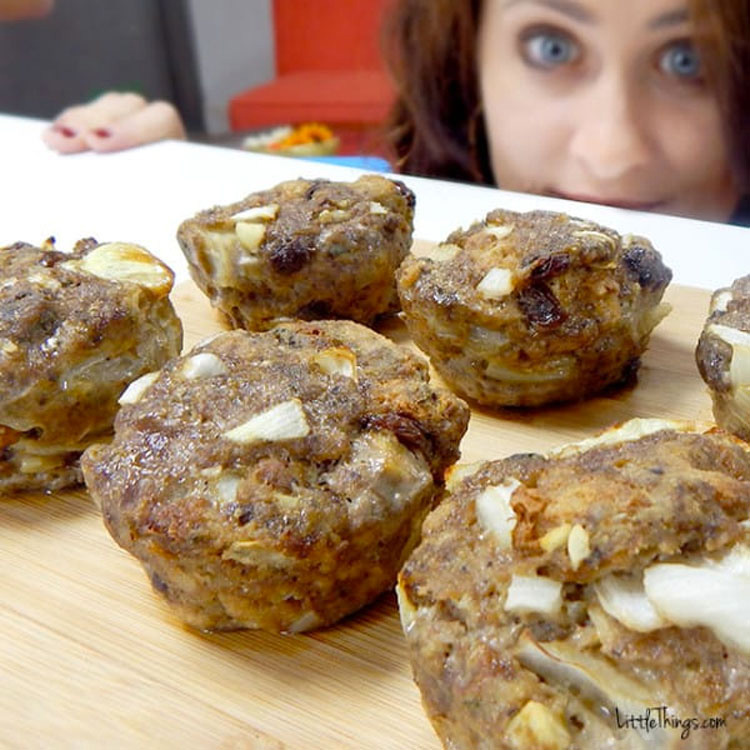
[
  {"x": 285, "y": 421},
  {"x": 203, "y": 365},
  {"x": 596, "y": 680},
  {"x": 258, "y": 213},
  {"x": 36, "y": 464},
  {"x": 499, "y": 231},
  {"x": 377, "y": 208},
  {"x": 443, "y": 252},
  {"x": 555, "y": 537},
  {"x": 497, "y": 283},
  {"x": 625, "y": 599},
  {"x": 307, "y": 621},
  {"x": 712, "y": 595},
  {"x": 537, "y": 726},
  {"x": 455, "y": 474},
  {"x": 720, "y": 301},
  {"x": 134, "y": 392},
  {"x": 494, "y": 512},
  {"x": 120, "y": 261},
  {"x": 534, "y": 594},
  {"x": 739, "y": 367},
  {"x": 555, "y": 370},
  {"x": 226, "y": 488},
  {"x": 732, "y": 336},
  {"x": 578, "y": 546},
  {"x": 633, "y": 429},
  {"x": 337, "y": 360},
  {"x": 253, "y": 552},
  {"x": 250, "y": 234},
  {"x": 736, "y": 561},
  {"x": 737, "y": 403}
]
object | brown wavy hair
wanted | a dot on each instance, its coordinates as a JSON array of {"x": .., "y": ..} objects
[{"x": 436, "y": 127}]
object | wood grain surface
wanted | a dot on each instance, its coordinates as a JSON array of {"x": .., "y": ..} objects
[{"x": 91, "y": 658}]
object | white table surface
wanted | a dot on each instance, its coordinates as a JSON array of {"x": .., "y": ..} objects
[{"x": 142, "y": 195}]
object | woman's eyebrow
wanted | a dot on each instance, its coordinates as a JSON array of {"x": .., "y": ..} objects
[
  {"x": 570, "y": 8},
  {"x": 581, "y": 13},
  {"x": 670, "y": 18}
]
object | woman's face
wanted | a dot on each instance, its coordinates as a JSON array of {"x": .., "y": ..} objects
[{"x": 603, "y": 101}]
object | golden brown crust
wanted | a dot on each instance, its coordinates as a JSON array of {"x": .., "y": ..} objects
[
  {"x": 528, "y": 309},
  {"x": 298, "y": 524},
  {"x": 304, "y": 249},
  {"x": 70, "y": 342},
  {"x": 669, "y": 496},
  {"x": 720, "y": 353}
]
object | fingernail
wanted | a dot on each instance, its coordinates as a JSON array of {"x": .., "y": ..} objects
[
  {"x": 102, "y": 133},
  {"x": 65, "y": 130}
]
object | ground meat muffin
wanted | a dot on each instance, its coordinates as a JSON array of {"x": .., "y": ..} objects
[
  {"x": 305, "y": 249},
  {"x": 723, "y": 356},
  {"x": 75, "y": 330},
  {"x": 565, "y": 602},
  {"x": 529, "y": 309},
  {"x": 277, "y": 480}
]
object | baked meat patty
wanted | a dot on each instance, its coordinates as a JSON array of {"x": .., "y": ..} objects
[
  {"x": 277, "y": 480},
  {"x": 75, "y": 330},
  {"x": 723, "y": 356},
  {"x": 525, "y": 309},
  {"x": 304, "y": 249},
  {"x": 567, "y": 601}
]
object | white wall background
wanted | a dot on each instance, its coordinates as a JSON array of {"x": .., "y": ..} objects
[{"x": 235, "y": 50}]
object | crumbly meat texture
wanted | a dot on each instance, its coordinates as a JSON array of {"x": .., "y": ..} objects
[
  {"x": 525, "y": 309},
  {"x": 298, "y": 520},
  {"x": 70, "y": 342},
  {"x": 506, "y": 680},
  {"x": 305, "y": 249},
  {"x": 723, "y": 356}
]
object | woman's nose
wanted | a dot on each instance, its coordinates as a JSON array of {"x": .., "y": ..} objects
[{"x": 610, "y": 137}]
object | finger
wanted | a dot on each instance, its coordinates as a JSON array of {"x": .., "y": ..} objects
[
  {"x": 157, "y": 121},
  {"x": 64, "y": 139},
  {"x": 102, "y": 111}
]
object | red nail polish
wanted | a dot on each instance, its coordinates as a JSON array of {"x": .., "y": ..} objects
[
  {"x": 65, "y": 130},
  {"x": 102, "y": 133}
]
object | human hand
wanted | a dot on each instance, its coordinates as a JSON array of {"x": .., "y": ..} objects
[{"x": 113, "y": 122}]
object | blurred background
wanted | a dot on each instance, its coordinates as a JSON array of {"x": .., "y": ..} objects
[{"x": 232, "y": 67}]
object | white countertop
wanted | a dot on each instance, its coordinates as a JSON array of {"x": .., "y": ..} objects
[{"x": 142, "y": 195}]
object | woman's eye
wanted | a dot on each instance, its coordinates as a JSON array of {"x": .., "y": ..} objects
[
  {"x": 681, "y": 60},
  {"x": 549, "y": 49}
]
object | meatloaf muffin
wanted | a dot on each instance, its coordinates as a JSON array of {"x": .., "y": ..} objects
[
  {"x": 276, "y": 480},
  {"x": 75, "y": 330},
  {"x": 723, "y": 356},
  {"x": 305, "y": 249},
  {"x": 568, "y": 601},
  {"x": 525, "y": 309}
]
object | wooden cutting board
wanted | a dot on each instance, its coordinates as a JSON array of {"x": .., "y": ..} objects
[{"x": 90, "y": 658}]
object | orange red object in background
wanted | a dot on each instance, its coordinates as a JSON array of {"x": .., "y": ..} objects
[{"x": 328, "y": 69}]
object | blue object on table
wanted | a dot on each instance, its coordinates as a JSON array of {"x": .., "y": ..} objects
[{"x": 369, "y": 163}]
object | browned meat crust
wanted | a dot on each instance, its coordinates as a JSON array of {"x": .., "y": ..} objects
[
  {"x": 289, "y": 523},
  {"x": 529, "y": 309},
  {"x": 723, "y": 347},
  {"x": 70, "y": 342},
  {"x": 304, "y": 249},
  {"x": 667, "y": 497}
]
